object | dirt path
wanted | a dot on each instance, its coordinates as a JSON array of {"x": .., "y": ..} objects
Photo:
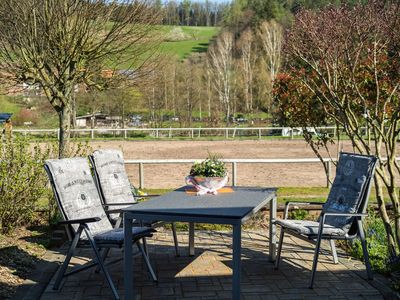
[{"x": 168, "y": 176}]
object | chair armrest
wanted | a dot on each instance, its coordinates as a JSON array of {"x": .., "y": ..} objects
[
  {"x": 146, "y": 196},
  {"x": 119, "y": 204},
  {"x": 80, "y": 221},
  {"x": 325, "y": 214},
  {"x": 113, "y": 211},
  {"x": 289, "y": 203},
  {"x": 343, "y": 214}
]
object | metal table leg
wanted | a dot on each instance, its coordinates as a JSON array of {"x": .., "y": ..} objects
[
  {"x": 128, "y": 272},
  {"x": 272, "y": 229},
  {"x": 191, "y": 239},
  {"x": 237, "y": 247}
]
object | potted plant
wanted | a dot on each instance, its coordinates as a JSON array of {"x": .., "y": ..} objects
[{"x": 209, "y": 175}]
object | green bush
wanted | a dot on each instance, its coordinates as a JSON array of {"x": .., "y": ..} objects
[
  {"x": 22, "y": 181},
  {"x": 376, "y": 243},
  {"x": 298, "y": 214}
]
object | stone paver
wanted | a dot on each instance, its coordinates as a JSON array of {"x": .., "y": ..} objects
[{"x": 208, "y": 274}]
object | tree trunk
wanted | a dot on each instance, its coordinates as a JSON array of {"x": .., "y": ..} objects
[
  {"x": 385, "y": 217},
  {"x": 122, "y": 115},
  {"x": 73, "y": 111},
  {"x": 64, "y": 115}
]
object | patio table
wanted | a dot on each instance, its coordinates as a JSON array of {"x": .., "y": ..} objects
[{"x": 224, "y": 208}]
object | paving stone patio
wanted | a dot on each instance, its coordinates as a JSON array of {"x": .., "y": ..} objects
[{"x": 207, "y": 275}]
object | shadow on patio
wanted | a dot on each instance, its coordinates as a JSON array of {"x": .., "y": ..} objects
[{"x": 207, "y": 275}]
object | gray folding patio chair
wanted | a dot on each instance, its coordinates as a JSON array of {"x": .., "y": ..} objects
[
  {"x": 115, "y": 188},
  {"x": 342, "y": 213},
  {"x": 81, "y": 208}
]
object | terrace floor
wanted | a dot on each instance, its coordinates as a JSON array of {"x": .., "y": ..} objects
[{"x": 207, "y": 275}]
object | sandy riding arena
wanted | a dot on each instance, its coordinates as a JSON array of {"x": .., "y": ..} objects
[{"x": 172, "y": 175}]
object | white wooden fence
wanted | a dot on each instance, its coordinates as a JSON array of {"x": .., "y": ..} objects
[
  {"x": 233, "y": 162},
  {"x": 193, "y": 133}
]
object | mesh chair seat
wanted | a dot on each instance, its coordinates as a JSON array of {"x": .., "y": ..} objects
[
  {"x": 310, "y": 228},
  {"x": 116, "y": 236}
]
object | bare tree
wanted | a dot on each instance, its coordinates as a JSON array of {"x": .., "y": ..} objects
[
  {"x": 271, "y": 36},
  {"x": 221, "y": 67},
  {"x": 58, "y": 44},
  {"x": 245, "y": 45},
  {"x": 208, "y": 81}
]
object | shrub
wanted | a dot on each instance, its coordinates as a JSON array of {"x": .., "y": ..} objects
[
  {"x": 298, "y": 214},
  {"x": 22, "y": 181},
  {"x": 376, "y": 244},
  {"x": 25, "y": 115}
]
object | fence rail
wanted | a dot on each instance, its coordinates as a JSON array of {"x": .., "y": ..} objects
[
  {"x": 191, "y": 132},
  {"x": 233, "y": 162}
]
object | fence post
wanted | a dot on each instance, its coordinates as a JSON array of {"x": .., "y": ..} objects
[
  {"x": 259, "y": 133},
  {"x": 156, "y": 133},
  {"x": 58, "y": 133},
  {"x": 92, "y": 134},
  {"x": 234, "y": 174},
  {"x": 125, "y": 133},
  {"x": 141, "y": 176},
  {"x": 291, "y": 133},
  {"x": 226, "y": 133},
  {"x": 199, "y": 133},
  {"x": 192, "y": 132}
]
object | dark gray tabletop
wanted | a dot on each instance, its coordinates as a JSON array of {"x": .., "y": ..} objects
[{"x": 237, "y": 205}]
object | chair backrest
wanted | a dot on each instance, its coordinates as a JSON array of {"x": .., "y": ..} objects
[
  {"x": 350, "y": 189},
  {"x": 76, "y": 193},
  {"x": 111, "y": 176}
]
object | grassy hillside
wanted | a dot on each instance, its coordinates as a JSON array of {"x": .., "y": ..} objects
[
  {"x": 7, "y": 106},
  {"x": 177, "y": 41},
  {"x": 184, "y": 40}
]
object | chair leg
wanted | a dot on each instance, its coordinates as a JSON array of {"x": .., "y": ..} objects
[
  {"x": 278, "y": 255},
  {"x": 175, "y": 239},
  {"x": 365, "y": 250},
  {"x": 104, "y": 255},
  {"x": 334, "y": 253},
  {"x": 145, "y": 246},
  {"x": 68, "y": 257},
  {"x": 147, "y": 261},
  {"x": 100, "y": 261},
  {"x": 315, "y": 262}
]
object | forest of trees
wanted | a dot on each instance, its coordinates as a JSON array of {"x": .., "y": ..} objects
[
  {"x": 237, "y": 73},
  {"x": 192, "y": 13},
  {"x": 234, "y": 77}
]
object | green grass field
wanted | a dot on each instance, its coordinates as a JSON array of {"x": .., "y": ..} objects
[
  {"x": 295, "y": 194},
  {"x": 176, "y": 41},
  {"x": 6, "y": 106},
  {"x": 196, "y": 40}
]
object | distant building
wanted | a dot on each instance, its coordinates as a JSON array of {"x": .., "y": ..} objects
[{"x": 98, "y": 120}]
